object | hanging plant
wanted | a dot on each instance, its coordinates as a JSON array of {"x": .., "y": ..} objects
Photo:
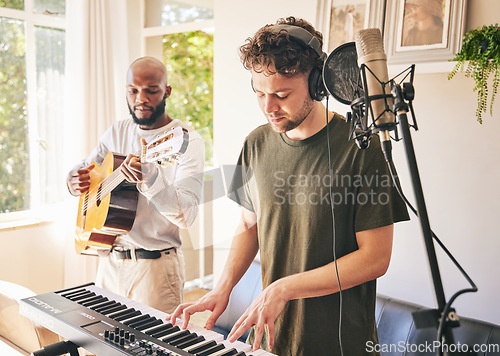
[{"x": 481, "y": 48}]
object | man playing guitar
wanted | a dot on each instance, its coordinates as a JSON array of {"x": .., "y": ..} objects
[{"x": 146, "y": 264}]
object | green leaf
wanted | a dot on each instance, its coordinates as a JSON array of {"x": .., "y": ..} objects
[{"x": 481, "y": 48}]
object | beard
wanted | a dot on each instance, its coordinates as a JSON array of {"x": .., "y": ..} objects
[
  {"x": 288, "y": 124},
  {"x": 156, "y": 113}
]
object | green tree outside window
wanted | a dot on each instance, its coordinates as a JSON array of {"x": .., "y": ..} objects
[{"x": 189, "y": 60}]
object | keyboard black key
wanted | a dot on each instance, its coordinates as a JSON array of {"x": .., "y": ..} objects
[
  {"x": 89, "y": 299},
  {"x": 176, "y": 336},
  {"x": 102, "y": 305},
  {"x": 122, "y": 313},
  {"x": 96, "y": 300},
  {"x": 105, "y": 307},
  {"x": 164, "y": 332},
  {"x": 203, "y": 347},
  {"x": 211, "y": 350},
  {"x": 241, "y": 354},
  {"x": 230, "y": 352},
  {"x": 140, "y": 322},
  {"x": 82, "y": 296},
  {"x": 136, "y": 319},
  {"x": 74, "y": 295},
  {"x": 127, "y": 316},
  {"x": 113, "y": 309},
  {"x": 183, "y": 339},
  {"x": 192, "y": 342},
  {"x": 149, "y": 324},
  {"x": 171, "y": 331},
  {"x": 158, "y": 329},
  {"x": 67, "y": 295}
]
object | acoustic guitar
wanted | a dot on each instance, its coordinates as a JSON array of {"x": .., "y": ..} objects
[{"x": 108, "y": 208}]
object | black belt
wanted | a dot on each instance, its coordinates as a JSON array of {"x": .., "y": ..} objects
[{"x": 141, "y": 253}]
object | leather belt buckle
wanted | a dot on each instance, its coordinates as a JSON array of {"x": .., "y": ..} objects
[{"x": 122, "y": 254}]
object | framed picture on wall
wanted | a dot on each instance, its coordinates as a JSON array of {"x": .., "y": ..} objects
[
  {"x": 423, "y": 30},
  {"x": 339, "y": 20}
]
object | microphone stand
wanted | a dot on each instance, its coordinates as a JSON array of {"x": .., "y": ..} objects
[
  {"x": 444, "y": 317},
  {"x": 426, "y": 318}
]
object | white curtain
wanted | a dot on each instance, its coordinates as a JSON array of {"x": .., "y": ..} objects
[{"x": 96, "y": 64}]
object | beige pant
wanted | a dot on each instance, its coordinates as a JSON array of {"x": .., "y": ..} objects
[{"x": 158, "y": 283}]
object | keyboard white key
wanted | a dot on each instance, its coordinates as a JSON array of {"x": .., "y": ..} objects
[{"x": 238, "y": 345}]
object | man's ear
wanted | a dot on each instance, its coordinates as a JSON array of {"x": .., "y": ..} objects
[{"x": 168, "y": 91}]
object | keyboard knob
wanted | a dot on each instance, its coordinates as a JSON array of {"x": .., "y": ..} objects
[
  {"x": 132, "y": 337},
  {"x": 106, "y": 334}
]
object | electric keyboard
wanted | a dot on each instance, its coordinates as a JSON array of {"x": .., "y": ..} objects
[{"x": 107, "y": 324}]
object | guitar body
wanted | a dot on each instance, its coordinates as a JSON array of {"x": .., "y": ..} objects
[{"x": 102, "y": 216}]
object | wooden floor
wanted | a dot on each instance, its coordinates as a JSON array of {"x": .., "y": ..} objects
[{"x": 199, "y": 318}]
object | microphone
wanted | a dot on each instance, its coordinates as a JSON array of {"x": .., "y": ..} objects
[{"x": 375, "y": 77}]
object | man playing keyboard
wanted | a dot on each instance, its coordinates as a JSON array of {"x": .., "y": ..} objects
[{"x": 316, "y": 259}]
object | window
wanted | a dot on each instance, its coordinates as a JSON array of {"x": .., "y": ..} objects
[
  {"x": 172, "y": 12},
  {"x": 32, "y": 46},
  {"x": 181, "y": 32}
]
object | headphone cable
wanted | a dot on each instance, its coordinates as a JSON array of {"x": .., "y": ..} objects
[{"x": 330, "y": 171}]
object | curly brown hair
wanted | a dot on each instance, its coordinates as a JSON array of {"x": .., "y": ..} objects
[{"x": 268, "y": 48}]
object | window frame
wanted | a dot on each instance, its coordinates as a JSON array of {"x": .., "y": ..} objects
[
  {"x": 38, "y": 211},
  {"x": 148, "y": 32},
  {"x": 152, "y": 36}
]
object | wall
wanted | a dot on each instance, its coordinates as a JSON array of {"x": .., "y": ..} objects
[{"x": 457, "y": 159}]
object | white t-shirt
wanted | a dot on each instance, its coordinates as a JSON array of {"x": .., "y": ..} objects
[{"x": 171, "y": 201}]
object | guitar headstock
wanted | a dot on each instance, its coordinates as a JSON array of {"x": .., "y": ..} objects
[{"x": 167, "y": 147}]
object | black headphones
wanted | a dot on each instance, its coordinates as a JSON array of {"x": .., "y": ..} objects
[{"x": 317, "y": 89}]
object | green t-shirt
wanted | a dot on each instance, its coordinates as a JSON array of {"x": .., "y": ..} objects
[{"x": 287, "y": 184}]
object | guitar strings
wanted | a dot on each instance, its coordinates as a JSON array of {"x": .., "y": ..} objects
[
  {"x": 113, "y": 182},
  {"x": 106, "y": 187}
]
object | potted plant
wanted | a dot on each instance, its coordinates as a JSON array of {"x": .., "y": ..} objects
[{"x": 481, "y": 48}]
